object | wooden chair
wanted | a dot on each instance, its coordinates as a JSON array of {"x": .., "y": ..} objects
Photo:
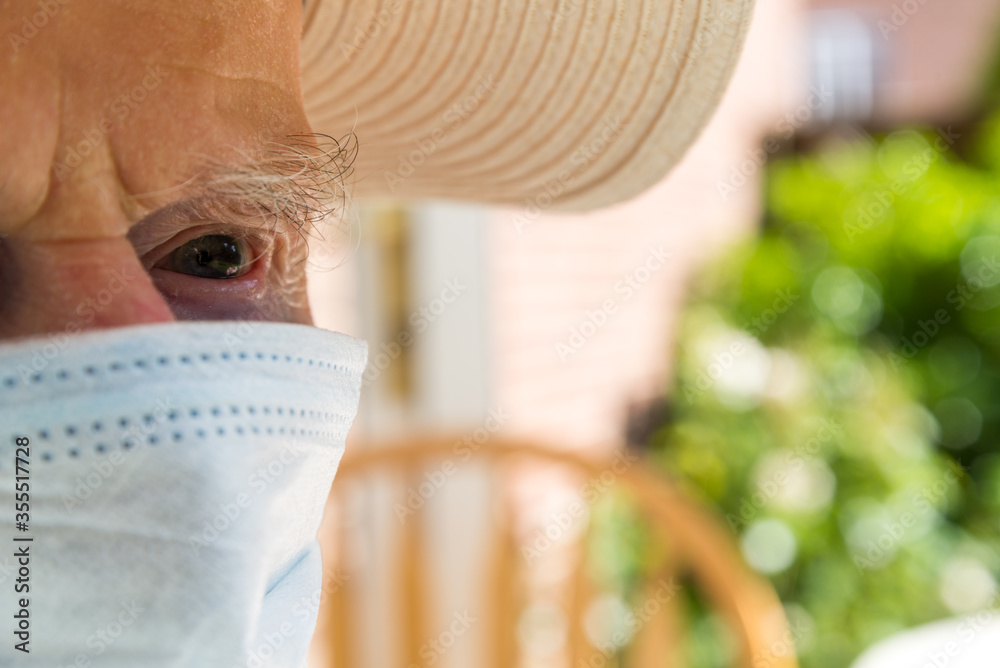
[{"x": 701, "y": 552}]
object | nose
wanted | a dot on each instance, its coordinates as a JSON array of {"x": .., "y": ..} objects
[{"x": 68, "y": 287}]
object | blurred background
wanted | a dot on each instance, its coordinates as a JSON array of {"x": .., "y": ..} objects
[{"x": 799, "y": 326}]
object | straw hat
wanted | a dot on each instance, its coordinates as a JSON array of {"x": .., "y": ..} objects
[{"x": 573, "y": 104}]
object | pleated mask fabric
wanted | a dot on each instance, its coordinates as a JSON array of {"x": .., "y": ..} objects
[{"x": 177, "y": 474}]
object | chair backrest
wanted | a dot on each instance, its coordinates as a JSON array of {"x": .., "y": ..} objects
[{"x": 701, "y": 554}]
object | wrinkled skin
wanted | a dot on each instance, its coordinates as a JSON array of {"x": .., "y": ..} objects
[{"x": 107, "y": 110}]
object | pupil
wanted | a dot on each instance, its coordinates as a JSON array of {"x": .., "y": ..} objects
[{"x": 212, "y": 256}]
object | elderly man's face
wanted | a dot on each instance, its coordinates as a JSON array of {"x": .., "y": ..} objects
[{"x": 131, "y": 139}]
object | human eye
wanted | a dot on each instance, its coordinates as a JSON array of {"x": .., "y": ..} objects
[
  {"x": 212, "y": 256},
  {"x": 224, "y": 262},
  {"x": 216, "y": 271}
]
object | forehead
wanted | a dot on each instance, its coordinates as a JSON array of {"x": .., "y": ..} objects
[{"x": 102, "y": 101}]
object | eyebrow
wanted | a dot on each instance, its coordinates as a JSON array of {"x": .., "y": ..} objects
[
  {"x": 300, "y": 181},
  {"x": 290, "y": 186}
]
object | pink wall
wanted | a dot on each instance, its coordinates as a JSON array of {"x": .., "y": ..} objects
[{"x": 936, "y": 53}]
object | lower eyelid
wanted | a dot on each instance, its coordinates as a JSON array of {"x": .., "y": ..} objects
[{"x": 184, "y": 287}]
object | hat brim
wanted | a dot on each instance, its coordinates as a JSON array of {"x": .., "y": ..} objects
[{"x": 568, "y": 104}]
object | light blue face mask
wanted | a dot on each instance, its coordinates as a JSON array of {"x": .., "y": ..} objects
[{"x": 172, "y": 480}]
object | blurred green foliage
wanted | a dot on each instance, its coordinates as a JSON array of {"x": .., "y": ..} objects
[{"x": 838, "y": 386}]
